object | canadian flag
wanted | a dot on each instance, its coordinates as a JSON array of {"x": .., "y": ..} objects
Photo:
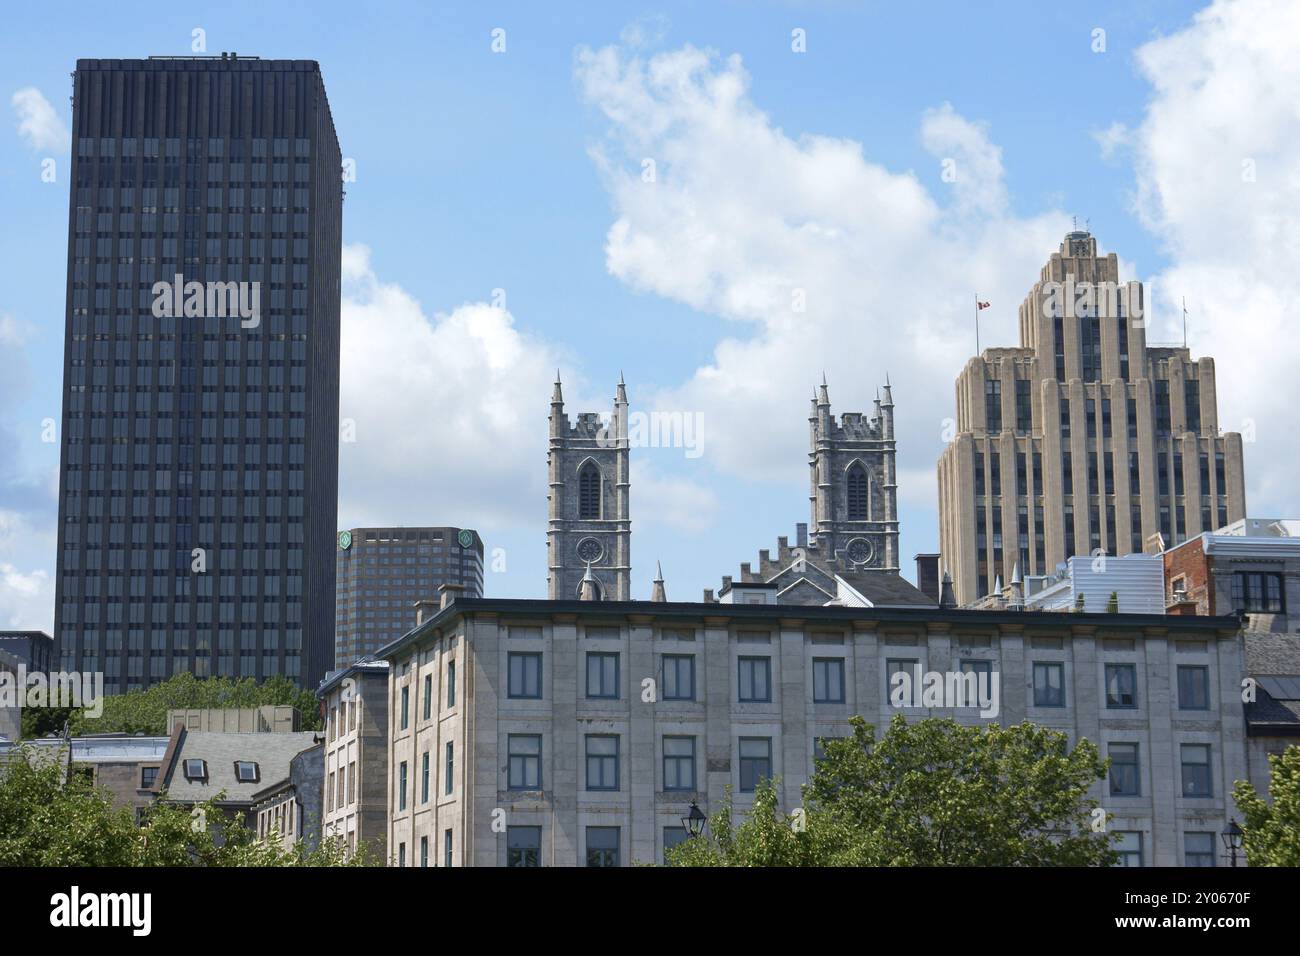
[{"x": 981, "y": 305}]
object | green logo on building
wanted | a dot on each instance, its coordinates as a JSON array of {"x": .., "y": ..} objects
[
  {"x": 466, "y": 538},
  {"x": 345, "y": 539}
]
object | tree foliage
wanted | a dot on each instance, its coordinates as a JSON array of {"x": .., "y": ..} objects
[
  {"x": 928, "y": 793},
  {"x": 51, "y": 818},
  {"x": 145, "y": 711},
  {"x": 1273, "y": 830}
]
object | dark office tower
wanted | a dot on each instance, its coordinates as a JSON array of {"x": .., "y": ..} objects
[
  {"x": 382, "y": 572},
  {"x": 200, "y": 459}
]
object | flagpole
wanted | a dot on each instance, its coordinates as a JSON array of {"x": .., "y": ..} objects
[{"x": 977, "y": 324}]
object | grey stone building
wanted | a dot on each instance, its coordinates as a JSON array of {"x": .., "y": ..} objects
[
  {"x": 199, "y": 441},
  {"x": 589, "y": 524},
  {"x": 354, "y": 785},
  {"x": 1251, "y": 567},
  {"x": 1084, "y": 438},
  {"x": 579, "y": 732},
  {"x": 382, "y": 572},
  {"x": 852, "y": 556},
  {"x": 289, "y": 810},
  {"x": 125, "y": 766}
]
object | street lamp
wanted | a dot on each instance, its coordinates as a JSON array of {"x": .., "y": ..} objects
[
  {"x": 1232, "y": 837},
  {"x": 693, "y": 822}
]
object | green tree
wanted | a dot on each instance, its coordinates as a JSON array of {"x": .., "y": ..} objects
[
  {"x": 49, "y": 817},
  {"x": 145, "y": 711},
  {"x": 929, "y": 793},
  {"x": 1273, "y": 830}
]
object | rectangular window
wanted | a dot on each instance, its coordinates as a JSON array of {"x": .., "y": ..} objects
[
  {"x": 679, "y": 763},
  {"x": 602, "y": 846},
  {"x": 1198, "y": 849},
  {"x": 1193, "y": 687},
  {"x": 401, "y": 786},
  {"x": 1129, "y": 847},
  {"x": 1049, "y": 684},
  {"x": 978, "y": 468},
  {"x": 1196, "y": 770},
  {"x": 983, "y": 671},
  {"x": 1024, "y": 420},
  {"x": 828, "y": 680},
  {"x": 428, "y": 696},
  {"x": 451, "y": 683},
  {"x": 755, "y": 762},
  {"x": 524, "y": 762},
  {"x": 523, "y": 846},
  {"x": 602, "y": 762},
  {"x": 679, "y": 677},
  {"x": 406, "y": 700},
  {"x": 148, "y": 776},
  {"x": 401, "y": 854},
  {"x": 424, "y": 777},
  {"x": 446, "y": 847},
  {"x": 1124, "y": 779},
  {"x": 755, "y": 679},
  {"x": 602, "y": 675},
  {"x": 450, "y": 767},
  {"x": 1258, "y": 592},
  {"x": 525, "y": 675},
  {"x": 993, "y": 404},
  {"x": 1121, "y": 686},
  {"x": 424, "y": 851}
]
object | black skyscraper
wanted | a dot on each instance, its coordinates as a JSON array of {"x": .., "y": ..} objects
[{"x": 199, "y": 466}]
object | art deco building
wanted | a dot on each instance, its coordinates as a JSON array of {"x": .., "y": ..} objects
[{"x": 1084, "y": 439}]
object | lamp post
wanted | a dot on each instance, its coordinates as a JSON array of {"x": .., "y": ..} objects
[
  {"x": 694, "y": 821},
  {"x": 1232, "y": 838}
]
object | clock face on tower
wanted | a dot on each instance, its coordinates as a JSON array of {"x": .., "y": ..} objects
[{"x": 590, "y": 550}]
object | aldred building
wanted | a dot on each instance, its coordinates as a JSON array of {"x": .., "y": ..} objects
[{"x": 1251, "y": 566}]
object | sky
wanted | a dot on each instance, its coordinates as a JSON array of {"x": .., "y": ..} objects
[{"x": 721, "y": 202}]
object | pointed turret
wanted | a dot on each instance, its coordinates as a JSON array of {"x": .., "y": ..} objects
[
  {"x": 946, "y": 596},
  {"x": 588, "y": 590},
  {"x": 657, "y": 593}
]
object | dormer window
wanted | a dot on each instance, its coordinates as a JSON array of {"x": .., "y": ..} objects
[
  {"x": 246, "y": 771},
  {"x": 196, "y": 769}
]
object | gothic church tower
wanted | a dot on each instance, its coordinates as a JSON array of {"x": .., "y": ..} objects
[
  {"x": 589, "y": 521},
  {"x": 854, "y": 493}
]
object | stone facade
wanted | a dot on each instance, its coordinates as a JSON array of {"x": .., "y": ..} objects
[
  {"x": 589, "y": 518},
  {"x": 354, "y": 808},
  {"x": 644, "y": 700},
  {"x": 1085, "y": 437}
]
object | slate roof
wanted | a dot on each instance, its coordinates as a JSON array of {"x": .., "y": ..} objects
[
  {"x": 1276, "y": 710},
  {"x": 271, "y": 751},
  {"x": 884, "y": 589}
]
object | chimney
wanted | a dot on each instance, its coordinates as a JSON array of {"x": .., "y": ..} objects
[
  {"x": 447, "y": 593},
  {"x": 424, "y": 609},
  {"x": 927, "y": 576},
  {"x": 708, "y": 595}
]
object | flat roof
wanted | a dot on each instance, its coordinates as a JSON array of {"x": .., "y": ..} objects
[{"x": 607, "y": 610}]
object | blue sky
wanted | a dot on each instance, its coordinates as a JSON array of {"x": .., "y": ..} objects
[{"x": 480, "y": 171}]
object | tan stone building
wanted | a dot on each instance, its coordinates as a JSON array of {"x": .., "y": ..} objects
[{"x": 1084, "y": 438}]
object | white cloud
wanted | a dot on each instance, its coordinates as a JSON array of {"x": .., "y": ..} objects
[
  {"x": 1218, "y": 180},
  {"x": 38, "y": 123},
  {"x": 677, "y": 504},
  {"x": 1111, "y": 139},
  {"x": 26, "y": 589},
  {"x": 744, "y": 218}
]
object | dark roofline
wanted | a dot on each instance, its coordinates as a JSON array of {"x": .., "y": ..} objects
[
  {"x": 761, "y": 585},
  {"x": 1043, "y": 620},
  {"x": 366, "y": 666}
]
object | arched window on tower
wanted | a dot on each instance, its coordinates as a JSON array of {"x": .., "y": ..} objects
[
  {"x": 589, "y": 491},
  {"x": 857, "y": 493}
]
